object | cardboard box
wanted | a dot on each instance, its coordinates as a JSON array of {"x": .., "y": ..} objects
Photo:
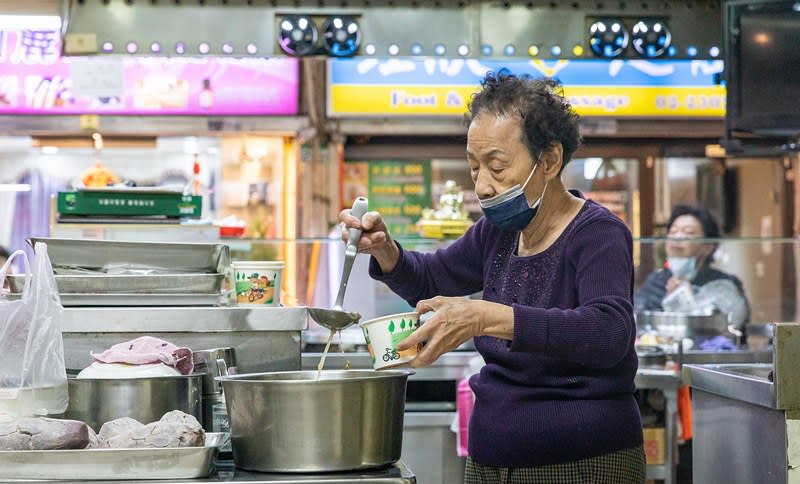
[{"x": 654, "y": 445}]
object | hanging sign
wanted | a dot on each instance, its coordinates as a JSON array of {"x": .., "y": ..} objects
[
  {"x": 442, "y": 87},
  {"x": 34, "y": 79}
]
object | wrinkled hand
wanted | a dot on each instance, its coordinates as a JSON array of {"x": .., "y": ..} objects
[
  {"x": 455, "y": 320},
  {"x": 674, "y": 283},
  {"x": 375, "y": 239},
  {"x": 374, "y": 233}
]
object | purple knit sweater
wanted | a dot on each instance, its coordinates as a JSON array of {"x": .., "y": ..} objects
[{"x": 562, "y": 389}]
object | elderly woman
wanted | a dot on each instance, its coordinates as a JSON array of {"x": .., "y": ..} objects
[
  {"x": 554, "y": 402},
  {"x": 689, "y": 263}
]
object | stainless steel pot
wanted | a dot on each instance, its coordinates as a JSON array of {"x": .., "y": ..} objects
[
  {"x": 98, "y": 400},
  {"x": 682, "y": 325},
  {"x": 292, "y": 422},
  {"x": 651, "y": 356}
]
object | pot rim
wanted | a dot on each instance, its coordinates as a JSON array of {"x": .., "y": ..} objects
[
  {"x": 74, "y": 377},
  {"x": 364, "y": 375}
]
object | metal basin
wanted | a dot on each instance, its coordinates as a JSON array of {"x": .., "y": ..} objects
[
  {"x": 98, "y": 400},
  {"x": 292, "y": 422}
]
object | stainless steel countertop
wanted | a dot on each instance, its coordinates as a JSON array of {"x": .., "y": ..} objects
[
  {"x": 398, "y": 473},
  {"x": 450, "y": 366},
  {"x": 454, "y": 365},
  {"x": 726, "y": 357},
  {"x": 183, "y": 319},
  {"x": 744, "y": 382}
]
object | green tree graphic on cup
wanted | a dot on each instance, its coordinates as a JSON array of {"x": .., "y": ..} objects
[{"x": 401, "y": 331}]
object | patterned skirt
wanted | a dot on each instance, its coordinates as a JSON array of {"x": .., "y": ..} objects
[{"x": 625, "y": 466}]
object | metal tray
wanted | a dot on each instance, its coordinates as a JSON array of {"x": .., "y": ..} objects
[
  {"x": 68, "y": 300},
  {"x": 131, "y": 284},
  {"x": 97, "y": 464},
  {"x": 168, "y": 257}
]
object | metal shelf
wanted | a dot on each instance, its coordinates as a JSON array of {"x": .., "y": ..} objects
[{"x": 183, "y": 319}]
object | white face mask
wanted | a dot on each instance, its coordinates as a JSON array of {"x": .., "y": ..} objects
[{"x": 683, "y": 267}]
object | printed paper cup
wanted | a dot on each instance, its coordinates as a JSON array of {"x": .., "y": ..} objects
[
  {"x": 385, "y": 333},
  {"x": 258, "y": 283}
]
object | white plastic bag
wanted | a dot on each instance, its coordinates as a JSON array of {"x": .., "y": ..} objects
[{"x": 33, "y": 380}]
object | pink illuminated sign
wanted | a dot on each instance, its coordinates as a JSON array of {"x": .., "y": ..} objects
[{"x": 34, "y": 79}]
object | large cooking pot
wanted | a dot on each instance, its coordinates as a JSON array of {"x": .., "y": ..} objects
[
  {"x": 98, "y": 400},
  {"x": 292, "y": 422}
]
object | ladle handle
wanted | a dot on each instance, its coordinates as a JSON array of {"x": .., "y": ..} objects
[{"x": 360, "y": 207}]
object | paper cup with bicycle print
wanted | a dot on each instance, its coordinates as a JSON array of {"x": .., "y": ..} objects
[
  {"x": 385, "y": 333},
  {"x": 258, "y": 282}
]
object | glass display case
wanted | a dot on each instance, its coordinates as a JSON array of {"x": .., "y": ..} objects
[{"x": 766, "y": 269}]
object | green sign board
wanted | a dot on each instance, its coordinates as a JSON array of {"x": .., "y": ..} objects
[{"x": 399, "y": 190}]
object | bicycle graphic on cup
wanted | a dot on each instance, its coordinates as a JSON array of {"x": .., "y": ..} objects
[{"x": 391, "y": 355}]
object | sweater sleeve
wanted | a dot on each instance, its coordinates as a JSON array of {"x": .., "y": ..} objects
[
  {"x": 456, "y": 270},
  {"x": 601, "y": 330}
]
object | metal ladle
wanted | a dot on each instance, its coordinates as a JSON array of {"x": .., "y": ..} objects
[{"x": 337, "y": 318}]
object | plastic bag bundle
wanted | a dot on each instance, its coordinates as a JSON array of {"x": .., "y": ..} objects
[{"x": 33, "y": 379}]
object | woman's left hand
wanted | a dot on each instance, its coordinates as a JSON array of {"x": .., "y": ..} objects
[{"x": 455, "y": 320}]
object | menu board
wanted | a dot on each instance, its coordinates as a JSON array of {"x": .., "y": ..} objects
[
  {"x": 399, "y": 190},
  {"x": 35, "y": 79}
]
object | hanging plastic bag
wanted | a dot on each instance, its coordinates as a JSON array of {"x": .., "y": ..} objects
[{"x": 33, "y": 380}]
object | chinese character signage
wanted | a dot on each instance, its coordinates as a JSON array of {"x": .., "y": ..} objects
[
  {"x": 399, "y": 191},
  {"x": 442, "y": 87},
  {"x": 35, "y": 80}
]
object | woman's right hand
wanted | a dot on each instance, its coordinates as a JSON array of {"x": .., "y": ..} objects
[
  {"x": 673, "y": 283},
  {"x": 375, "y": 239}
]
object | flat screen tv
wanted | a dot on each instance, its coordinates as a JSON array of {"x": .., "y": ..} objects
[{"x": 762, "y": 68}]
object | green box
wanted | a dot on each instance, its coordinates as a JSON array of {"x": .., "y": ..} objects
[{"x": 132, "y": 204}]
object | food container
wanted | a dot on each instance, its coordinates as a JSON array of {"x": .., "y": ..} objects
[
  {"x": 98, "y": 400},
  {"x": 258, "y": 282},
  {"x": 294, "y": 422},
  {"x": 385, "y": 333}
]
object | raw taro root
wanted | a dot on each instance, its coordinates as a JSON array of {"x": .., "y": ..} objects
[
  {"x": 175, "y": 429},
  {"x": 41, "y": 433}
]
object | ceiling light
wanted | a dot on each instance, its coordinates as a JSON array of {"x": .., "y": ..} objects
[
  {"x": 15, "y": 187},
  {"x": 341, "y": 36},
  {"x": 227, "y": 48},
  {"x": 509, "y": 50},
  {"x": 298, "y": 35},
  {"x": 533, "y": 50},
  {"x": 108, "y": 47},
  {"x": 486, "y": 50},
  {"x": 370, "y": 49},
  {"x": 651, "y": 38},
  {"x": 714, "y": 51},
  {"x": 30, "y": 22},
  {"x": 440, "y": 49},
  {"x": 416, "y": 49},
  {"x": 393, "y": 49},
  {"x": 204, "y": 48},
  {"x": 251, "y": 49},
  {"x": 608, "y": 38},
  {"x": 155, "y": 47},
  {"x": 463, "y": 50},
  {"x": 180, "y": 48},
  {"x": 131, "y": 47},
  {"x": 49, "y": 150},
  {"x": 555, "y": 50}
]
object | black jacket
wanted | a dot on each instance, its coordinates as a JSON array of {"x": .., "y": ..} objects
[{"x": 654, "y": 289}]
